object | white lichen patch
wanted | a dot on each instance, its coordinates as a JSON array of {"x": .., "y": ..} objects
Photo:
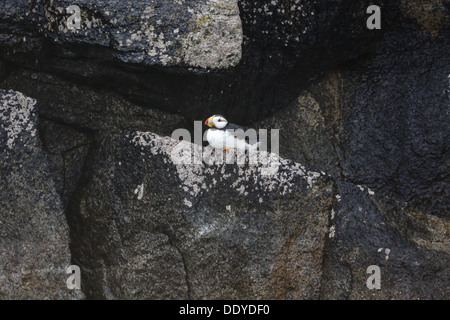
[
  {"x": 369, "y": 191},
  {"x": 16, "y": 112},
  {"x": 207, "y": 34},
  {"x": 156, "y": 44},
  {"x": 387, "y": 251},
  {"x": 192, "y": 175},
  {"x": 187, "y": 203},
  {"x": 139, "y": 191},
  {"x": 286, "y": 173},
  {"x": 216, "y": 37},
  {"x": 199, "y": 176},
  {"x": 332, "y": 232}
]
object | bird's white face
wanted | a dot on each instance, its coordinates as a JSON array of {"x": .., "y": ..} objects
[{"x": 218, "y": 122}]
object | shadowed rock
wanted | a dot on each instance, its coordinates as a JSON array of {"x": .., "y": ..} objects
[
  {"x": 411, "y": 249},
  {"x": 151, "y": 226},
  {"x": 189, "y": 57},
  {"x": 34, "y": 236}
]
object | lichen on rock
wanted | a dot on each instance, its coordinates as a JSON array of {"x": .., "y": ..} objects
[
  {"x": 203, "y": 34},
  {"x": 34, "y": 246},
  {"x": 17, "y": 114}
]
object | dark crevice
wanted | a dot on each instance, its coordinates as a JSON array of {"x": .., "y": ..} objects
[
  {"x": 63, "y": 155},
  {"x": 73, "y": 126},
  {"x": 350, "y": 281},
  {"x": 186, "y": 271},
  {"x": 183, "y": 259},
  {"x": 326, "y": 247},
  {"x": 67, "y": 208},
  {"x": 73, "y": 216}
]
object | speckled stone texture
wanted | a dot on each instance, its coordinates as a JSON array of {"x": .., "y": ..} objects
[
  {"x": 199, "y": 34},
  {"x": 153, "y": 226},
  {"x": 34, "y": 235},
  {"x": 363, "y": 168},
  {"x": 207, "y": 67}
]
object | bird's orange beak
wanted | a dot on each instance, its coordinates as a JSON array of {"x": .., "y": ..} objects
[{"x": 209, "y": 122}]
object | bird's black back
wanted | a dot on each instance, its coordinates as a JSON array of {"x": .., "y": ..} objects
[{"x": 233, "y": 127}]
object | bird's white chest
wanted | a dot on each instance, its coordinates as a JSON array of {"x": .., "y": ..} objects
[
  {"x": 216, "y": 138},
  {"x": 220, "y": 139}
]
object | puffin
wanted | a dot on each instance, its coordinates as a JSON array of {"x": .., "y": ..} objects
[{"x": 225, "y": 135}]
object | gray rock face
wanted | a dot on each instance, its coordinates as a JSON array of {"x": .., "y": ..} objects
[
  {"x": 327, "y": 27},
  {"x": 382, "y": 123},
  {"x": 303, "y": 125},
  {"x": 252, "y": 77},
  {"x": 152, "y": 226},
  {"x": 201, "y": 34},
  {"x": 366, "y": 110},
  {"x": 34, "y": 235},
  {"x": 88, "y": 110},
  {"x": 66, "y": 150},
  {"x": 398, "y": 123},
  {"x": 410, "y": 248}
]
